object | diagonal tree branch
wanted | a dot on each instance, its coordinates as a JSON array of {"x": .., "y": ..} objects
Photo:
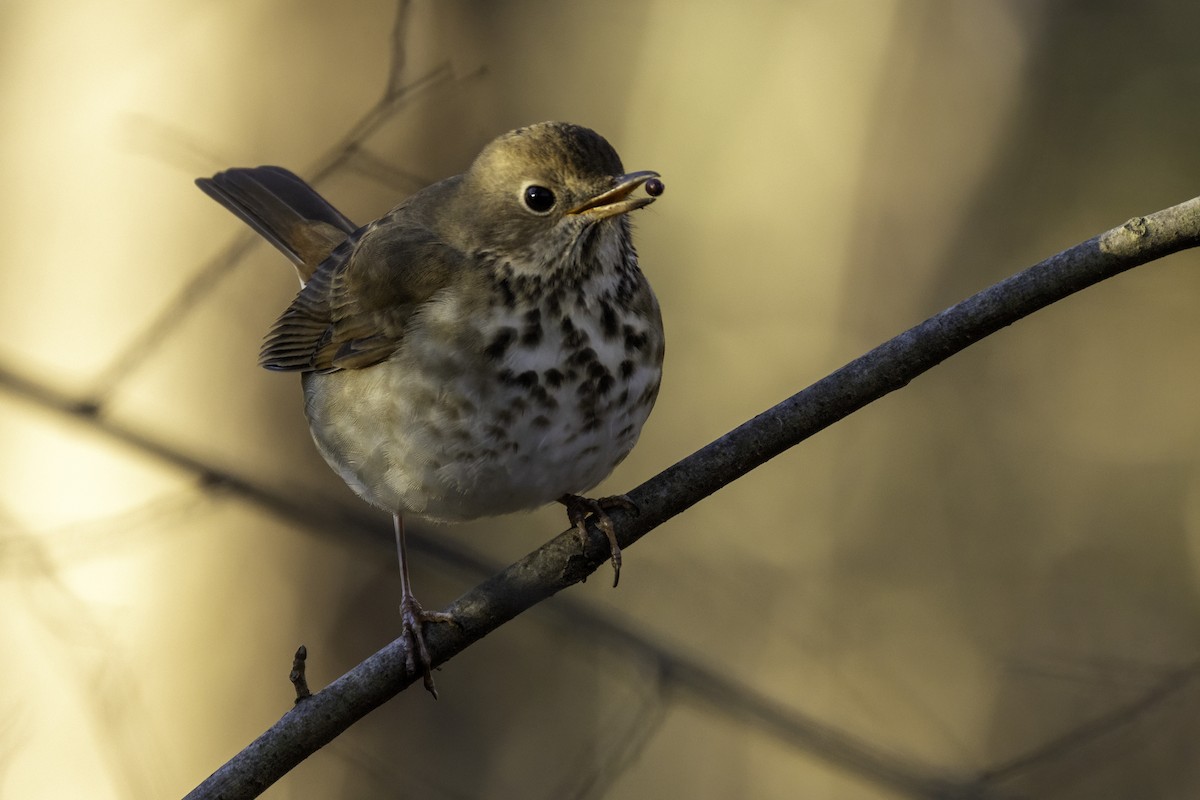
[{"x": 317, "y": 720}]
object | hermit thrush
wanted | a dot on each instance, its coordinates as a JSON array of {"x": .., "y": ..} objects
[{"x": 487, "y": 346}]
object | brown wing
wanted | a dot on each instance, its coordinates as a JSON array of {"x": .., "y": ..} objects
[{"x": 353, "y": 311}]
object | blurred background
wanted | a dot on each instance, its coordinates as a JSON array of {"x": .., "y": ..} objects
[{"x": 984, "y": 585}]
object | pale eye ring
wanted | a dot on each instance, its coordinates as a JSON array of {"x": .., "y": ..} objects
[{"x": 538, "y": 199}]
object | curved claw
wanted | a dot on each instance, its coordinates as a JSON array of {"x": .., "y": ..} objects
[
  {"x": 412, "y": 621},
  {"x": 580, "y": 508}
]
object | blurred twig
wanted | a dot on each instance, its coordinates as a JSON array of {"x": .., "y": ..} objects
[
  {"x": 559, "y": 563},
  {"x": 348, "y": 149},
  {"x": 1173, "y": 683}
]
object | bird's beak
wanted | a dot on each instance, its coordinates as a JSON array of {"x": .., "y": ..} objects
[{"x": 617, "y": 200}]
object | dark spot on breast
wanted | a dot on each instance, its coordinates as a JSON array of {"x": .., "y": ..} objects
[
  {"x": 543, "y": 398},
  {"x": 456, "y": 405},
  {"x": 626, "y": 368},
  {"x": 647, "y": 397},
  {"x": 505, "y": 292},
  {"x": 531, "y": 335},
  {"x": 527, "y": 379},
  {"x": 573, "y": 337},
  {"x": 608, "y": 320},
  {"x": 621, "y": 434},
  {"x": 541, "y": 421},
  {"x": 600, "y": 380},
  {"x": 635, "y": 342},
  {"x": 553, "y": 377},
  {"x": 584, "y": 356},
  {"x": 500, "y": 343},
  {"x": 628, "y": 288}
]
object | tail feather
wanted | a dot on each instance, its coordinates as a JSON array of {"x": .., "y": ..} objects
[{"x": 284, "y": 210}]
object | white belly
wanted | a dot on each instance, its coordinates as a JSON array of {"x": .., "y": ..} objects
[{"x": 449, "y": 434}]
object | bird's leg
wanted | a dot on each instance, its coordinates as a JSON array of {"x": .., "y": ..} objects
[
  {"x": 413, "y": 617},
  {"x": 580, "y": 508}
]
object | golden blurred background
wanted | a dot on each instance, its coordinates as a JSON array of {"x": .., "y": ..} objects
[{"x": 984, "y": 583}]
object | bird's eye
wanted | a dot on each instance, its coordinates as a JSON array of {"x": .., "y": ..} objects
[{"x": 538, "y": 199}]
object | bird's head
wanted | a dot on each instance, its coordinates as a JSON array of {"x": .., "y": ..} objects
[{"x": 551, "y": 195}]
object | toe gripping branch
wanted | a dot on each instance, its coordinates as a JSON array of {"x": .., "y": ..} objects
[{"x": 579, "y": 509}]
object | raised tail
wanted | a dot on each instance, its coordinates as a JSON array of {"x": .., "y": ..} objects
[{"x": 284, "y": 210}]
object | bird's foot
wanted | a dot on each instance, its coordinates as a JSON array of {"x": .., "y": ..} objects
[
  {"x": 412, "y": 620},
  {"x": 580, "y": 508}
]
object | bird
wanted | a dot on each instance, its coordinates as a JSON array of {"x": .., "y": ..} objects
[{"x": 488, "y": 346}]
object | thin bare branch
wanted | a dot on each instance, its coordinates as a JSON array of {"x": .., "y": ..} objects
[{"x": 559, "y": 563}]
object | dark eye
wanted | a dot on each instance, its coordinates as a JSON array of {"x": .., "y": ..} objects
[{"x": 538, "y": 199}]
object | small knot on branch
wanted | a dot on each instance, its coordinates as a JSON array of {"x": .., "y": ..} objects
[
  {"x": 1136, "y": 227},
  {"x": 297, "y": 676}
]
